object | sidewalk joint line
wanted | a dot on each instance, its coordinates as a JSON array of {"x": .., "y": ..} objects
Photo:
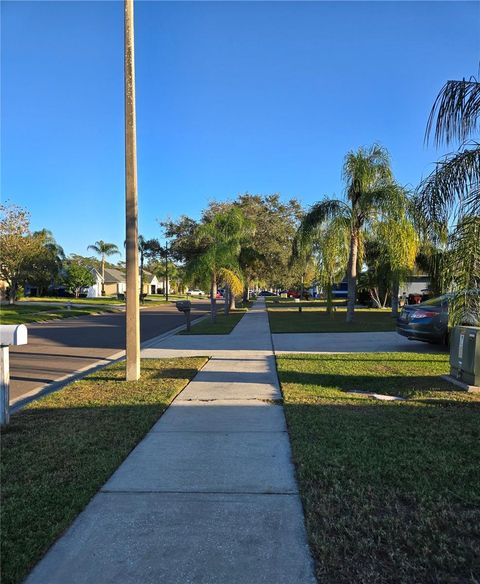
[
  {"x": 152, "y": 492},
  {"x": 218, "y": 431}
]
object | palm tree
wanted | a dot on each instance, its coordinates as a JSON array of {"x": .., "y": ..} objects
[
  {"x": 104, "y": 249},
  {"x": 399, "y": 245},
  {"x": 219, "y": 244},
  {"x": 450, "y": 195},
  {"x": 370, "y": 192},
  {"x": 333, "y": 250},
  {"x": 233, "y": 287},
  {"x": 147, "y": 249}
]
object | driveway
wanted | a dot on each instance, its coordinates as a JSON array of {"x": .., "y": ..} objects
[
  {"x": 385, "y": 342},
  {"x": 62, "y": 347}
]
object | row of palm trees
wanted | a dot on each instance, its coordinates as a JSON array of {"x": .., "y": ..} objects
[
  {"x": 376, "y": 206},
  {"x": 374, "y": 202}
]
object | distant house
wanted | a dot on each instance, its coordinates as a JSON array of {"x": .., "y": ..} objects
[
  {"x": 116, "y": 284},
  {"x": 153, "y": 285},
  {"x": 95, "y": 290},
  {"x": 418, "y": 284}
]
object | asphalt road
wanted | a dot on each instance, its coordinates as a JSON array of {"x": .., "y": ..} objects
[{"x": 62, "y": 347}]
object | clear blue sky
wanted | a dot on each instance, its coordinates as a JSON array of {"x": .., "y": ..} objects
[{"x": 231, "y": 97}]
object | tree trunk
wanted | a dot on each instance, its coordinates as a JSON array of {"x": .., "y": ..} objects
[
  {"x": 395, "y": 293},
  {"x": 352, "y": 275},
  {"x": 245, "y": 293},
  {"x": 103, "y": 275},
  {"x": 12, "y": 293},
  {"x": 329, "y": 299},
  {"x": 375, "y": 297},
  {"x": 141, "y": 278},
  {"x": 213, "y": 297},
  {"x": 231, "y": 300},
  {"x": 385, "y": 300},
  {"x": 302, "y": 287},
  {"x": 226, "y": 300}
]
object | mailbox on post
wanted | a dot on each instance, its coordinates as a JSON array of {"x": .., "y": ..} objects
[
  {"x": 10, "y": 334},
  {"x": 185, "y": 306}
]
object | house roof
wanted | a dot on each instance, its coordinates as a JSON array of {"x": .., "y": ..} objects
[
  {"x": 94, "y": 272},
  {"x": 113, "y": 275}
]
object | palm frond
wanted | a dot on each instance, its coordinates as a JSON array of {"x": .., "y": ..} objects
[
  {"x": 462, "y": 264},
  {"x": 320, "y": 213},
  {"x": 464, "y": 308},
  {"x": 103, "y": 248},
  {"x": 454, "y": 182},
  {"x": 387, "y": 199},
  {"x": 365, "y": 169},
  {"x": 454, "y": 115},
  {"x": 232, "y": 280}
]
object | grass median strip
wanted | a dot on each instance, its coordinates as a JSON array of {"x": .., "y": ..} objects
[
  {"x": 58, "y": 451},
  {"x": 391, "y": 490},
  {"x": 66, "y": 299},
  {"x": 223, "y": 324},
  {"x": 317, "y": 320},
  {"x": 18, "y": 314}
]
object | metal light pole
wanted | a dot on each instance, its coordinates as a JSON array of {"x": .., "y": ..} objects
[{"x": 131, "y": 197}]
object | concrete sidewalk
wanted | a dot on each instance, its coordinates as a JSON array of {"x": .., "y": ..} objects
[
  {"x": 372, "y": 342},
  {"x": 209, "y": 496}
]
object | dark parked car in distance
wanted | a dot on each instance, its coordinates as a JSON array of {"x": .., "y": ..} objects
[
  {"x": 266, "y": 293},
  {"x": 427, "y": 321}
]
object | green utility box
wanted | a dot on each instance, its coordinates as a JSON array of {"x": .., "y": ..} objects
[{"x": 465, "y": 354}]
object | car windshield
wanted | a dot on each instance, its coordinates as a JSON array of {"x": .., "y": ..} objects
[{"x": 439, "y": 301}]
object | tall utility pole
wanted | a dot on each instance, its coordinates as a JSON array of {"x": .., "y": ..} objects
[{"x": 131, "y": 197}]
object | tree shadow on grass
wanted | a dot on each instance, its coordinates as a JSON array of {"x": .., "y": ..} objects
[
  {"x": 382, "y": 483},
  {"x": 173, "y": 373},
  {"x": 406, "y": 386},
  {"x": 349, "y": 357}
]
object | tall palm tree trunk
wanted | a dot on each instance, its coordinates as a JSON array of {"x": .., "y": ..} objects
[
  {"x": 352, "y": 275},
  {"x": 141, "y": 278},
  {"x": 213, "y": 297},
  {"x": 103, "y": 275},
  {"x": 329, "y": 298}
]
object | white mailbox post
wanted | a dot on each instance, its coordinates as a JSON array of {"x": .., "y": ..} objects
[{"x": 10, "y": 334}]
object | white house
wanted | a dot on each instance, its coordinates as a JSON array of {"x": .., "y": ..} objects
[{"x": 115, "y": 283}]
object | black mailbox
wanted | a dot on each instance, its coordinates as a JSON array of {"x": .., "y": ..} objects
[{"x": 185, "y": 306}]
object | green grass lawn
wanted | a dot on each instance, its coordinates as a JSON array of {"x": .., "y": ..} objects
[
  {"x": 151, "y": 299},
  {"x": 316, "y": 320},
  {"x": 223, "y": 325},
  {"x": 19, "y": 314},
  {"x": 60, "y": 450},
  {"x": 391, "y": 490}
]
